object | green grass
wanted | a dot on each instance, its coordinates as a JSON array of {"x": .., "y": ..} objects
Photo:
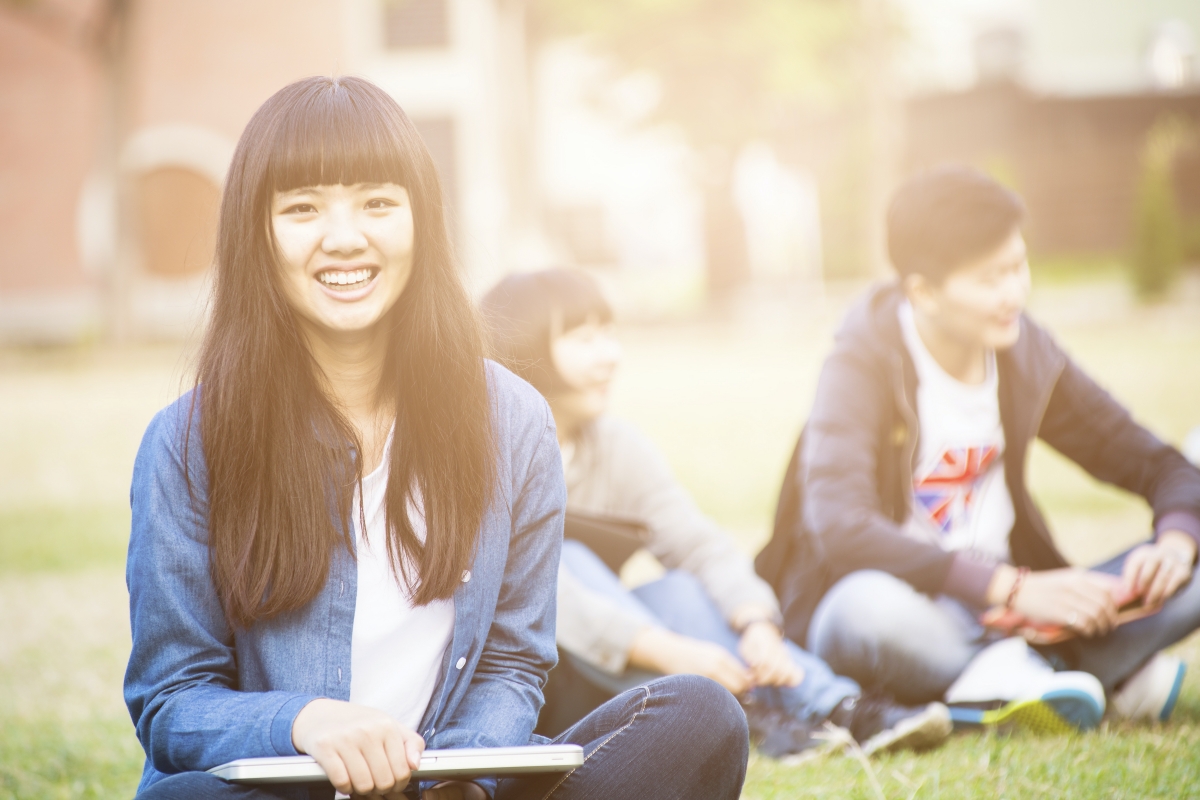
[
  {"x": 50, "y": 539},
  {"x": 96, "y": 758},
  {"x": 725, "y": 404},
  {"x": 1073, "y": 270}
]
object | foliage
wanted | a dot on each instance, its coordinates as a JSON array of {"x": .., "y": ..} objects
[
  {"x": 798, "y": 73},
  {"x": 729, "y": 68},
  {"x": 1158, "y": 243}
]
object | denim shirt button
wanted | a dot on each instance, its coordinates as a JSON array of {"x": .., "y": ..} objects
[
  {"x": 466, "y": 575},
  {"x": 462, "y": 662}
]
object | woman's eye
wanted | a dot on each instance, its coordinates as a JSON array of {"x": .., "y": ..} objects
[
  {"x": 380, "y": 202},
  {"x": 300, "y": 208}
]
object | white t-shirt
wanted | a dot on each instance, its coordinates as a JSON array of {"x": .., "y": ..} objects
[
  {"x": 396, "y": 650},
  {"x": 960, "y": 498}
]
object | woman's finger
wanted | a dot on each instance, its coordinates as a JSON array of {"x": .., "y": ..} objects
[
  {"x": 382, "y": 775},
  {"x": 790, "y": 673},
  {"x": 770, "y": 673},
  {"x": 361, "y": 780},
  {"x": 733, "y": 676},
  {"x": 414, "y": 746},
  {"x": 397, "y": 757},
  {"x": 335, "y": 771}
]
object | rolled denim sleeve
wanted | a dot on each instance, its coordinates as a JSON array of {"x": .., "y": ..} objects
[{"x": 181, "y": 682}]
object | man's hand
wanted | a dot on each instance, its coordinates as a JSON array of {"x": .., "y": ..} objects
[
  {"x": 1073, "y": 597},
  {"x": 361, "y": 749},
  {"x": 762, "y": 647},
  {"x": 1156, "y": 571},
  {"x": 455, "y": 790},
  {"x": 671, "y": 654}
]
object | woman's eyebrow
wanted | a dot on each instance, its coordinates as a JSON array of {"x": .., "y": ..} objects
[{"x": 314, "y": 190}]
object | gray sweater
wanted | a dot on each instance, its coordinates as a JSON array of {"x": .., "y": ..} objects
[{"x": 616, "y": 471}]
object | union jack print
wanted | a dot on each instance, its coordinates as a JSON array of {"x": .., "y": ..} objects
[{"x": 946, "y": 492}]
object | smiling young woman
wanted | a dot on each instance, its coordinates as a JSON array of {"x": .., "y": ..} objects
[{"x": 345, "y": 538}]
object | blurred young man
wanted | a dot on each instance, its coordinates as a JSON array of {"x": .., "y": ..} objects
[{"x": 905, "y": 513}]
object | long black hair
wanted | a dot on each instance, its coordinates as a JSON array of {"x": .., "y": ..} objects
[{"x": 281, "y": 473}]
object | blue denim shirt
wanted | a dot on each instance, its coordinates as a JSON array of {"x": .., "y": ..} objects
[{"x": 201, "y": 693}]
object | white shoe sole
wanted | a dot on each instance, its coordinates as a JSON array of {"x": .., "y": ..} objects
[{"x": 921, "y": 731}]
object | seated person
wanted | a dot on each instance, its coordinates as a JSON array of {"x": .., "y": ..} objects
[
  {"x": 710, "y": 614},
  {"x": 905, "y": 512},
  {"x": 345, "y": 539}
]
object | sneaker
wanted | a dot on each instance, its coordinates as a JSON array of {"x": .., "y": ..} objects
[
  {"x": 778, "y": 734},
  {"x": 1026, "y": 691},
  {"x": 879, "y": 725},
  {"x": 1151, "y": 692}
]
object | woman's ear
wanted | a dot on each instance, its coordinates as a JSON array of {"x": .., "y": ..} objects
[{"x": 921, "y": 292}]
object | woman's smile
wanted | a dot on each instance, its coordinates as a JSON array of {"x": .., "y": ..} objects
[
  {"x": 348, "y": 283},
  {"x": 345, "y": 251}
]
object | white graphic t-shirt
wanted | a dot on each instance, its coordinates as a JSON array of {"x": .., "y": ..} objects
[{"x": 960, "y": 498}]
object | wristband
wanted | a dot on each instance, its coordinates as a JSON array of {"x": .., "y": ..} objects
[
  {"x": 1022, "y": 574},
  {"x": 771, "y": 618}
]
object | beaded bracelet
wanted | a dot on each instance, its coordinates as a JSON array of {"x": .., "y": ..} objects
[{"x": 1022, "y": 574}]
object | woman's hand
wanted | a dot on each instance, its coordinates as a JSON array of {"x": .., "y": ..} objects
[
  {"x": 455, "y": 790},
  {"x": 671, "y": 654},
  {"x": 1079, "y": 599},
  {"x": 762, "y": 647},
  {"x": 1156, "y": 571},
  {"x": 361, "y": 749}
]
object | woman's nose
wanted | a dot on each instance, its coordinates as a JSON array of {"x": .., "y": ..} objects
[
  {"x": 611, "y": 353},
  {"x": 342, "y": 233}
]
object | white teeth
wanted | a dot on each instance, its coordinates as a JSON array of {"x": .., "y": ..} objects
[{"x": 342, "y": 278}]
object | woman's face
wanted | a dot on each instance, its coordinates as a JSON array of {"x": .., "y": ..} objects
[
  {"x": 346, "y": 251},
  {"x": 586, "y": 358}
]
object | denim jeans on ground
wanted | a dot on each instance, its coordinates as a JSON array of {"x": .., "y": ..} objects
[
  {"x": 880, "y": 631},
  {"x": 678, "y": 602},
  {"x": 677, "y": 737}
]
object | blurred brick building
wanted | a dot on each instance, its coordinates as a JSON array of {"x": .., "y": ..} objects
[
  {"x": 1075, "y": 160},
  {"x": 188, "y": 75},
  {"x": 1057, "y": 97}
]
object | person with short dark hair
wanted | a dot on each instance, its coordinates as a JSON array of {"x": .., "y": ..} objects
[
  {"x": 345, "y": 539},
  {"x": 905, "y": 512},
  {"x": 709, "y": 614}
]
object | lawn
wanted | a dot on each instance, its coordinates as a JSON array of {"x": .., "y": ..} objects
[{"x": 724, "y": 400}]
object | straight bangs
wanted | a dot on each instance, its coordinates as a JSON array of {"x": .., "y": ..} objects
[
  {"x": 578, "y": 299},
  {"x": 331, "y": 137}
]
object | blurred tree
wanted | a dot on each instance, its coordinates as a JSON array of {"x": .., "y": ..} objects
[
  {"x": 100, "y": 30},
  {"x": 1158, "y": 243},
  {"x": 737, "y": 70}
]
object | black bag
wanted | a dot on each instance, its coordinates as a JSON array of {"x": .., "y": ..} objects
[{"x": 613, "y": 539}]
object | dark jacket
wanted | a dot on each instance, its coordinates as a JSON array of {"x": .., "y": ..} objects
[{"x": 848, "y": 488}]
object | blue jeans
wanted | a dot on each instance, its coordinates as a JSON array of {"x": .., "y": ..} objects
[
  {"x": 674, "y": 738},
  {"x": 881, "y": 631},
  {"x": 679, "y": 603}
]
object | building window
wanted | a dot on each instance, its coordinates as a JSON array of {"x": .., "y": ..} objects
[
  {"x": 177, "y": 221},
  {"x": 411, "y": 24},
  {"x": 438, "y": 133}
]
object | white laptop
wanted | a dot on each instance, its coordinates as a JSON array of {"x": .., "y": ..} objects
[{"x": 435, "y": 764}]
